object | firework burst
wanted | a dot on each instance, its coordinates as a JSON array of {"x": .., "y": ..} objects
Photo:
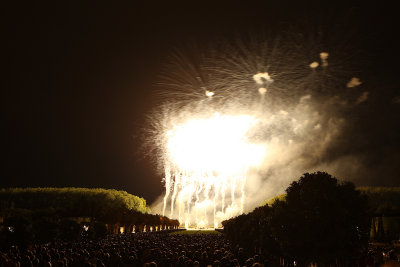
[{"x": 241, "y": 108}]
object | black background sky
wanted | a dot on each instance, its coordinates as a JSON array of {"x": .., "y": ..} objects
[{"x": 79, "y": 79}]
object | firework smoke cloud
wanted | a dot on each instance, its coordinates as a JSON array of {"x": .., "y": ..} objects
[{"x": 239, "y": 120}]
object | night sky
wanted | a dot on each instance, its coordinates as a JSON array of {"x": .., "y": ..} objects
[{"x": 80, "y": 80}]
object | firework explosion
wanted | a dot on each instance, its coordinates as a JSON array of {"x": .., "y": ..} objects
[
  {"x": 239, "y": 112},
  {"x": 208, "y": 158}
]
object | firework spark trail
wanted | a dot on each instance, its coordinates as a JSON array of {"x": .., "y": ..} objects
[
  {"x": 208, "y": 155},
  {"x": 176, "y": 179},
  {"x": 187, "y": 185},
  {"x": 167, "y": 186}
]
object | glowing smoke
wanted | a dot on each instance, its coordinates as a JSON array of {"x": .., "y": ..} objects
[
  {"x": 353, "y": 82},
  {"x": 240, "y": 123},
  {"x": 362, "y": 98}
]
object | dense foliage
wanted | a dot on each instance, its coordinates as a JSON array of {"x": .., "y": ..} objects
[
  {"x": 43, "y": 214},
  {"x": 384, "y": 206},
  {"x": 382, "y": 201},
  {"x": 78, "y": 202},
  {"x": 320, "y": 220}
]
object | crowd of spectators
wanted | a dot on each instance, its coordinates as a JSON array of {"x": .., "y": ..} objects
[
  {"x": 385, "y": 254},
  {"x": 140, "y": 249},
  {"x": 156, "y": 249}
]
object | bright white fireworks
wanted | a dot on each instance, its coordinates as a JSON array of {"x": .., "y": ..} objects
[
  {"x": 216, "y": 144},
  {"x": 208, "y": 158},
  {"x": 239, "y": 122}
]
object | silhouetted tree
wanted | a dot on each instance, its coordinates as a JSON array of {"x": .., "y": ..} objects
[
  {"x": 319, "y": 220},
  {"x": 17, "y": 230},
  {"x": 45, "y": 229},
  {"x": 97, "y": 230},
  {"x": 322, "y": 220},
  {"x": 69, "y": 230}
]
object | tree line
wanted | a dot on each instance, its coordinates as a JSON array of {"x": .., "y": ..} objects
[
  {"x": 384, "y": 207},
  {"x": 48, "y": 213},
  {"x": 384, "y": 203},
  {"x": 70, "y": 201},
  {"x": 318, "y": 221}
]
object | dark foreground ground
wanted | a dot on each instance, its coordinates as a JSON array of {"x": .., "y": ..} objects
[{"x": 160, "y": 249}]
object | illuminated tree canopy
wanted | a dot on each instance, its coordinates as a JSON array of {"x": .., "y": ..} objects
[{"x": 73, "y": 201}]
